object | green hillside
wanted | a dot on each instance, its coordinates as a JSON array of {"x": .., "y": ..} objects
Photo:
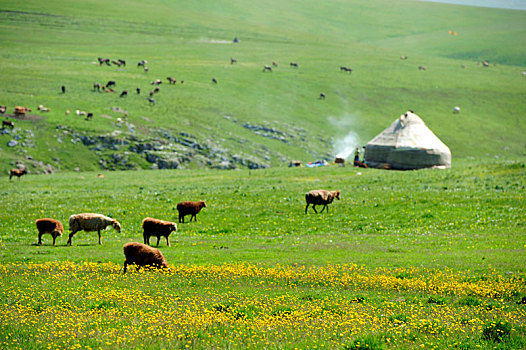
[{"x": 252, "y": 118}]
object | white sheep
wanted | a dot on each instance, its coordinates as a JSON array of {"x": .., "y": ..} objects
[{"x": 91, "y": 222}]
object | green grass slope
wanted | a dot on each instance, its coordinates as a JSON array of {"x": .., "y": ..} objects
[{"x": 48, "y": 44}]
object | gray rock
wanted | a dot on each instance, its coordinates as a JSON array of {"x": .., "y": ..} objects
[{"x": 12, "y": 143}]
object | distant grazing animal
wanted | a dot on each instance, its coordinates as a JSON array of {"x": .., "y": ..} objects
[
  {"x": 156, "y": 90},
  {"x": 152, "y": 92},
  {"x": 110, "y": 83},
  {"x": 117, "y": 63},
  {"x": 275, "y": 64},
  {"x": 91, "y": 222},
  {"x": 142, "y": 63},
  {"x": 138, "y": 91},
  {"x": 43, "y": 109},
  {"x": 156, "y": 82},
  {"x": 7, "y": 124},
  {"x": 422, "y": 68},
  {"x": 485, "y": 64},
  {"x": 320, "y": 197},
  {"x": 142, "y": 255},
  {"x": 19, "y": 110},
  {"x": 294, "y": 163},
  {"x": 403, "y": 57},
  {"x": 456, "y": 109},
  {"x": 103, "y": 60},
  {"x": 63, "y": 88},
  {"x": 157, "y": 228},
  {"x": 171, "y": 80},
  {"x": 322, "y": 95},
  {"x": 214, "y": 80},
  {"x": 345, "y": 69},
  {"x": 122, "y": 62},
  {"x": 232, "y": 60},
  {"x": 339, "y": 161},
  {"x": 89, "y": 116},
  {"x": 189, "y": 208},
  {"x": 96, "y": 86},
  {"x": 294, "y": 64},
  {"x": 51, "y": 226},
  {"x": 123, "y": 93},
  {"x": 267, "y": 68},
  {"x": 151, "y": 100},
  {"x": 146, "y": 69},
  {"x": 3, "y": 109},
  {"x": 17, "y": 172}
]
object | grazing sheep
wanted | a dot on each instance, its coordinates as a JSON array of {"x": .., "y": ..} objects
[
  {"x": 214, "y": 80},
  {"x": 19, "y": 110},
  {"x": 63, "y": 88},
  {"x": 158, "y": 228},
  {"x": 294, "y": 64},
  {"x": 275, "y": 64},
  {"x": 89, "y": 116},
  {"x": 322, "y": 96},
  {"x": 122, "y": 62},
  {"x": 124, "y": 93},
  {"x": 403, "y": 57},
  {"x": 143, "y": 255},
  {"x": 91, "y": 222},
  {"x": 422, "y": 68},
  {"x": 345, "y": 69},
  {"x": 267, "y": 68},
  {"x": 138, "y": 91},
  {"x": 151, "y": 100},
  {"x": 156, "y": 82},
  {"x": 456, "y": 109},
  {"x": 8, "y": 124},
  {"x": 110, "y": 83},
  {"x": 142, "y": 63},
  {"x": 189, "y": 208},
  {"x": 171, "y": 80},
  {"x": 320, "y": 197},
  {"x": 51, "y": 226},
  {"x": 17, "y": 172},
  {"x": 3, "y": 109},
  {"x": 43, "y": 109},
  {"x": 232, "y": 60},
  {"x": 96, "y": 86},
  {"x": 103, "y": 60}
]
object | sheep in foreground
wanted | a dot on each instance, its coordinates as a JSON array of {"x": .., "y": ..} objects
[
  {"x": 320, "y": 197},
  {"x": 91, "y": 222},
  {"x": 51, "y": 226},
  {"x": 189, "y": 208},
  {"x": 143, "y": 255},
  {"x": 158, "y": 228}
]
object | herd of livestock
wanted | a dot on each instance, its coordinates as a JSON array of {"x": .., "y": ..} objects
[{"x": 142, "y": 254}]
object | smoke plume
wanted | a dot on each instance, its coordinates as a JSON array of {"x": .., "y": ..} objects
[{"x": 344, "y": 146}]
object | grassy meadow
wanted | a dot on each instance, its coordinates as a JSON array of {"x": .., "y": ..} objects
[
  {"x": 419, "y": 259},
  {"x": 405, "y": 260}
]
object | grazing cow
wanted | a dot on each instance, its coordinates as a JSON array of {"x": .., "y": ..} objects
[
  {"x": 3, "y": 109},
  {"x": 17, "y": 172},
  {"x": 63, "y": 88},
  {"x": 322, "y": 96},
  {"x": 214, "y": 80},
  {"x": 151, "y": 100},
  {"x": 422, "y": 68},
  {"x": 123, "y": 93},
  {"x": 294, "y": 64},
  {"x": 8, "y": 124},
  {"x": 267, "y": 68},
  {"x": 171, "y": 80},
  {"x": 110, "y": 83},
  {"x": 232, "y": 60},
  {"x": 345, "y": 69}
]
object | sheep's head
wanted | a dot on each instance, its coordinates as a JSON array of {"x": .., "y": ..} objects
[
  {"x": 202, "y": 204},
  {"x": 173, "y": 227},
  {"x": 337, "y": 194},
  {"x": 115, "y": 224},
  {"x": 57, "y": 233}
]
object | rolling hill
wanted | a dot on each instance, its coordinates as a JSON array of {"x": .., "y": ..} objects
[{"x": 251, "y": 117}]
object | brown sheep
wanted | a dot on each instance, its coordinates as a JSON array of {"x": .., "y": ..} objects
[
  {"x": 51, "y": 226},
  {"x": 91, "y": 222},
  {"x": 17, "y": 172},
  {"x": 320, "y": 197},
  {"x": 158, "y": 228},
  {"x": 189, "y": 208},
  {"x": 143, "y": 255},
  {"x": 7, "y": 124}
]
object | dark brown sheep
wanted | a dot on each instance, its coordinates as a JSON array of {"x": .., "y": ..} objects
[
  {"x": 17, "y": 172},
  {"x": 189, "y": 208},
  {"x": 51, "y": 226},
  {"x": 143, "y": 255},
  {"x": 320, "y": 197},
  {"x": 158, "y": 228}
]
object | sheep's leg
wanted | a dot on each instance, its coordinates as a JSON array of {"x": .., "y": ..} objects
[
  {"x": 314, "y": 208},
  {"x": 71, "y": 236},
  {"x": 39, "y": 238},
  {"x": 145, "y": 238},
  {"x": 167, "y": 241},
  {"x": 324, "y": 206},
  {"x": 125, "y": 266},
  {"x": 306, "y": 207},
  {"x": 181, "y": 218},
  {"x": 100, "y": 242},
  {"x": 54, "y": 238},
  {"x": 158, "y": 239}
]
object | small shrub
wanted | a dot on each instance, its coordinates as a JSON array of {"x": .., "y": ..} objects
[{"x": 496, "y": 331}]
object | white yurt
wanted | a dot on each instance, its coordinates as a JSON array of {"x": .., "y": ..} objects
[{"x": 407, "y": 144}]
